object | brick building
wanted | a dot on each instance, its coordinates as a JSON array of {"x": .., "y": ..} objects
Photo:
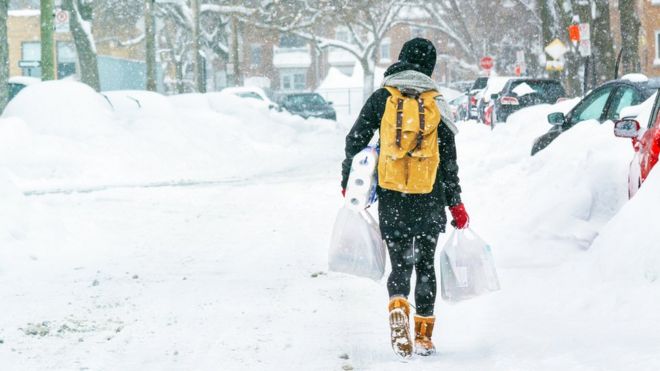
[{"x": 649, "y": 34}]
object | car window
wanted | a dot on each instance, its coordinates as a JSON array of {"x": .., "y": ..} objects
[
  {"x": 593, "y": 106},
  {"x": 307, "y": 99},
  {"x": 625, "y": 96},
  {"x": 480, "y": 83},
  {"x": 655, "y": 117},
  {"x": 250, "y": 94}
]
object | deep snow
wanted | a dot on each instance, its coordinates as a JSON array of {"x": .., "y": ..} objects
[{"x": 191, "y": 233}]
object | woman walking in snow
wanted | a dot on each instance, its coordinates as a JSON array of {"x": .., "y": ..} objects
[{"x": 417, "y": 179}]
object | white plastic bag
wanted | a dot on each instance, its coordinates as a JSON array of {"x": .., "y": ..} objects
[
  {"x": 356, "y": 246},
  {"x": 466, "y": 266}
]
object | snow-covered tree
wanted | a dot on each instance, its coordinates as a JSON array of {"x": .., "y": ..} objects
[
  {"x": 81, "y": 17},
  {"x": 367, "y": 21}
]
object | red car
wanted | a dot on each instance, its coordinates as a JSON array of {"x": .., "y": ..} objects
[{"x": 646, "y": 141}]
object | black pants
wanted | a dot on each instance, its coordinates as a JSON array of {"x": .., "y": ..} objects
[{"x": 406, "y": 254}]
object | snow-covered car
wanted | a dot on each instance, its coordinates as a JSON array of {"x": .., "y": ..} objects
[
  {"x": 525, "y": 92},
  {"x": 474, "y": 94},
  {"x": 604, "y": 103},
  {"x": 257, "y": 96},
  {"x": 644, "y": 131},
  {"x": 308, "y": 105},
  {"x": 492, "y": 90},
  {"x": 18, "y": 83},
  {"x": 459, "y": 107}
]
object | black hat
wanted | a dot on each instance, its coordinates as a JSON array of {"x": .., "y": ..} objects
[{"x": 421, "y": 52}]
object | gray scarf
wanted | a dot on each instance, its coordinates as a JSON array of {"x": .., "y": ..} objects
[{"x": 420, "y": 82}]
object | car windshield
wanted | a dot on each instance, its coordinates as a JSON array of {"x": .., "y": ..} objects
[
  {"x": 544, "y": 88},
  {"x": 305, "y": 100},
  {"x": 250, "y": 94}
]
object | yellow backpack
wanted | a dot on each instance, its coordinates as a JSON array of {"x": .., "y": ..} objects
[{"x": 409, "y": 152}]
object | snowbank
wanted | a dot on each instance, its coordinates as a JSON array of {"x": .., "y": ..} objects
[
  {"x": 627, "y": 247},
  {"x": 77, "y": 138},
  {"x": 551, "y": 203},
  {"x": 13, "y": 211}
]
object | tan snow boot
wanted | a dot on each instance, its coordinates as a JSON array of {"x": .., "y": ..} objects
[
  {"x": 423, "y": 331},
  {"x": 400, "y": 327}
]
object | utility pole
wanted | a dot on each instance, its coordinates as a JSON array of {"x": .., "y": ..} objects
[
  {"x": 198, "y": 78},
  {"x": 150, "y": 43},
  {"x": 47, "y": 41},
  {"x": 235, "y": 50}
]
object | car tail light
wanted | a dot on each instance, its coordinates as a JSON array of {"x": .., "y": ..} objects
[
  {"x": 473, "y": 100},
  {"x": 561, "y": 99},
  {"x": 509, "y": 101}
]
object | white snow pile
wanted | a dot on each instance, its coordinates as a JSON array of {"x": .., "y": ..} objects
[
  {"x": 559, "y": 198},
  {"x": 628, "y": 247},
  {"x": 13, "y": 210},
  {"x": 63, "y": 134}
]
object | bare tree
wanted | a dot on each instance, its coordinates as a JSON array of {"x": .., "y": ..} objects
[
  {"x": 4, "y": 56},
  {"x": 82, "y": 12}
]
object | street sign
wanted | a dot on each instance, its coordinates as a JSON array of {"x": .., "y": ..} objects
[
  {"x": 29, "y": 64},
  {"x": 585, "y": 31},
  {"x": 61, "y": 21},
  {"x": 520, "y": 56},
  {"x": 486, "y": 63},
  {"x": 554, "y": 66},
  {"x": 574, "y": 33},
  {"x": 585, "y": 48},
  {"x": 556, "y": 49}
]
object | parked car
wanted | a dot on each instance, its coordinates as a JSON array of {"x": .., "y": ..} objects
[
  {"x": 18, "y": 83},
  {"x": 493, "y": 88},
  {"x": 604, "y": 103},
  {"x": 463, "y": 85},
  {"x": 308, "y": 105},
  {"x": 459, "y": 107},
  {"x": 524, "y": 92},
  {"x": 257, "y": 96},
  {"x": 477, "y": 88},
  {"x": 645, "y": 138}
]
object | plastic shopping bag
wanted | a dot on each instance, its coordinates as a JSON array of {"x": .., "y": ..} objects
[
  {"x": 466, "y": 266},
  {"x": 356, "y": 246}
]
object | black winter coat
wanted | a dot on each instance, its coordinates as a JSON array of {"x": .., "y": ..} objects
[{"x": 407, "y": 215}]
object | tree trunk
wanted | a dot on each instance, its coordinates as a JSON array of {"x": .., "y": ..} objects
[
  {"x": 602, "y": 43},
  {"x": 629, "y": 36},
  {"x": 47, "y": 41},
  {"x": 178, "y": 72},
  {"x": 4, "y": 57},
  {"x": 150, "y": 44},
  {"x": 81, "y": 28},
  {"x": 198, "y": 76},
  {"x": 237, "y": 80},
  {"x": 547, "y": 26},
  {"x": 367, "y": 80}
]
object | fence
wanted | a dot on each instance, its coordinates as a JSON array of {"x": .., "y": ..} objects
[{"x": 347, "y": 101}]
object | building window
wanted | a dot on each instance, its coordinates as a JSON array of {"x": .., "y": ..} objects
[
  {"x": 416, "y": 31},
  {"x": 30, "y": 58},
  {"x": 293, "y": 79},
  {"x": 655, "y": 2},
  {"x": 255, "y": 55},
  {"x": 343, "y": 34},
  {"x": 291, "y": 41},
  {"x": 385, "y": 46},
  {"x": 66, "y": 59}
]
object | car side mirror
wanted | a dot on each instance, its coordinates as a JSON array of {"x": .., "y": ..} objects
[
  {"x": 329, "y": 103},
  {"x": 626, "y": 128},
  {"x": 556, "y": 118}
]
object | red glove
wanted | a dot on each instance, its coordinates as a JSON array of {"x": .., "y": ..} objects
[
  {"x": 343, "y": 192},
  {"x": 460, "y": 216}
]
